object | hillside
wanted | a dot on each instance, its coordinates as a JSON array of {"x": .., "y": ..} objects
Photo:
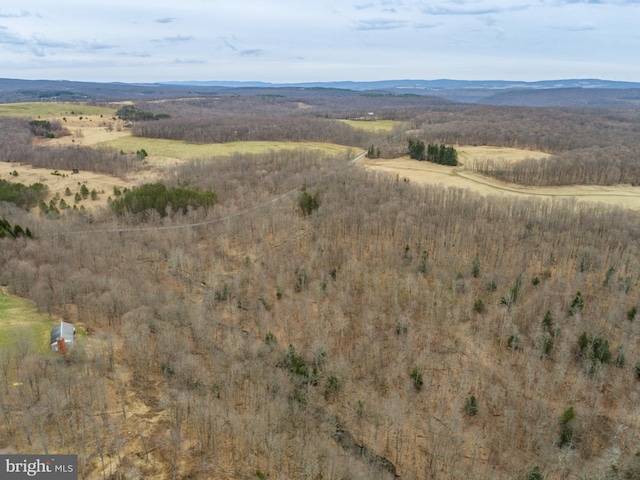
[
  {"x": 551, "y": 93},
  {"x": 324, "y": 320}
]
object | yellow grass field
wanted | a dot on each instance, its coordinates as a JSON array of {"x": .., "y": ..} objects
[
  {"x": 373, "y": 125},
  {"x": 426, "y": 173},
  {"x": 47, "y": 110},
  {"x": 156, "y": 147}
]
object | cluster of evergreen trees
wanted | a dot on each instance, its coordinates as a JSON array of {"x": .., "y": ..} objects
[
  {"x": 433, "y": 153},
  {"x": 308, "y": 203},
  {"x": 15, "y": 231},
  {"x": 22, "y": 195},
  {"x": 158, "y": 197},
  {"x": 132, "y": 114}
]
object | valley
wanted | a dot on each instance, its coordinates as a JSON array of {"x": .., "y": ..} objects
[{"x": 302, "y": 316}]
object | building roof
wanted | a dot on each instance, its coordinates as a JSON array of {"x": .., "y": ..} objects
[{"x": 63, "y": 330}]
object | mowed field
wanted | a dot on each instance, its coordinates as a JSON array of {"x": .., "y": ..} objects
[
  {"x": 373, "y": 125},
  {"x": 427, "y": 173},
  {"x": 21, "y": 325}
]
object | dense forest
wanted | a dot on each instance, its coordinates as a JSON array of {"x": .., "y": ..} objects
[{"x": 371, "y": 329}]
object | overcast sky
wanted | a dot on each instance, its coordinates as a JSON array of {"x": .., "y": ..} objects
[{"x": 318, "y": 40}]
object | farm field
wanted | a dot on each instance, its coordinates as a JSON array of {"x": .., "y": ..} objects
[
  {"x": 46, "y": 110},
  {"x": 156, "y": 147},
  {"x": 427, "y": 173},
  {"x": 374, "y": 125}
]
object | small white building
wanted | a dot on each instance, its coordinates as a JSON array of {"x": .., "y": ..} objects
[{"x": 63, "y": 337}]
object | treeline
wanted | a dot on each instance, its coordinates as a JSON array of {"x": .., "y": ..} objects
[
  {"x": 15, "y": 146},
  {"x": 592, "y": 166},
  {"x": 48, "y": 128},
  {"x": 587, "y": 146},
  {"x": 132, "y": 114},
  {"x": 22, "y": 195},
  {"x": 233, "y": 128}
]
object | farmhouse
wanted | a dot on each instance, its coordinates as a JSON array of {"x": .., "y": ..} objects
[{"x": 63, "y": 337}]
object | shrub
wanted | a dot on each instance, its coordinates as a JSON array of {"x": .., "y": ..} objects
[
  {"x": 332, "y": 387},
  {"x": 308, "y": 203},
  {"x": 547, "y": 322},
  {"x": 577, "y": 305},
  {"x": 471, "y": 406},
  {"x": 546, "y": 345},
  {"x": 416, "y": 378},
  {"x": 475, "y": 267},
  {"x": 534, "y": 474},
  {"x": 269, "y": 338},
  {"x": 514, "y": 342},
  {"x": 567, "y": 434},
  {"x": 631, "y": 313},
  {"x": 302, "y": 280}
]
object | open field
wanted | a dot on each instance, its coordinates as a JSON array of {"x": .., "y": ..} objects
[
  {"x": 427, "y": 173},
  {"x": 468, "y": 153},
  {"x": 183, "y": 150},
  {"x": 102, "y": 183},
  {"x": 52, "y": 109},
  {"x": 373, "y": 125},
  {"x": 20, "y": 322}
]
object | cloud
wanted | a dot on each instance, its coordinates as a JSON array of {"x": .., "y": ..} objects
[
  {"x": 178, "y": 38},
  {"x": 421, "y": 26},
  {"x": 575, "y": 28},
  {"x": 595, "y": 2},
  {"x": 95, "y": 45},
  {"x": 23, "y": 13},
  {"x": 464, "y": 10},
  {"x": 165, "y": 20},
  {"x": 42, "y": 42},
  {"x": 380, "y": 24},
  {"x": 186, "y": 61},
  {"x": 134, "y": 54},
  {"x": 9, "y": 38},
  {"x": 365, "y": 6},
  {"x": 253, "y": 52},
  {"x": 228, "y": 44}
]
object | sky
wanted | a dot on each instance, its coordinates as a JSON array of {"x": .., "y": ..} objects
[{"x": 289, "y": 41}]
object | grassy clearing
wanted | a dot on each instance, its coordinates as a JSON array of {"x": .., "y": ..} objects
[
  {"x": 506, "y": 154},
  {"x": 51, "y": 109},
  {"x": 20, "y": 322},
  {"x": 427, "y": 173},
  {"x": 373, "y": 125},
  {"x": 183, "y": 150}
]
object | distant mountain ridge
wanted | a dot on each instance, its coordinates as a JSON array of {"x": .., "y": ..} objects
[
  {"x": 425, "y": 85},
  {"x": 580, "y": 92},
  {"x": 594, "y": 93}
]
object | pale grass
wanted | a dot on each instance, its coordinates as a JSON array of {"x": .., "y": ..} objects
[
  {"x": 183, "y": 150},
  {"x": 427, "y": 173},
  {"x": 47, "y": 110},
  {"x": 57, "y": 184},
  {"x": 374, "y": 125}
]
